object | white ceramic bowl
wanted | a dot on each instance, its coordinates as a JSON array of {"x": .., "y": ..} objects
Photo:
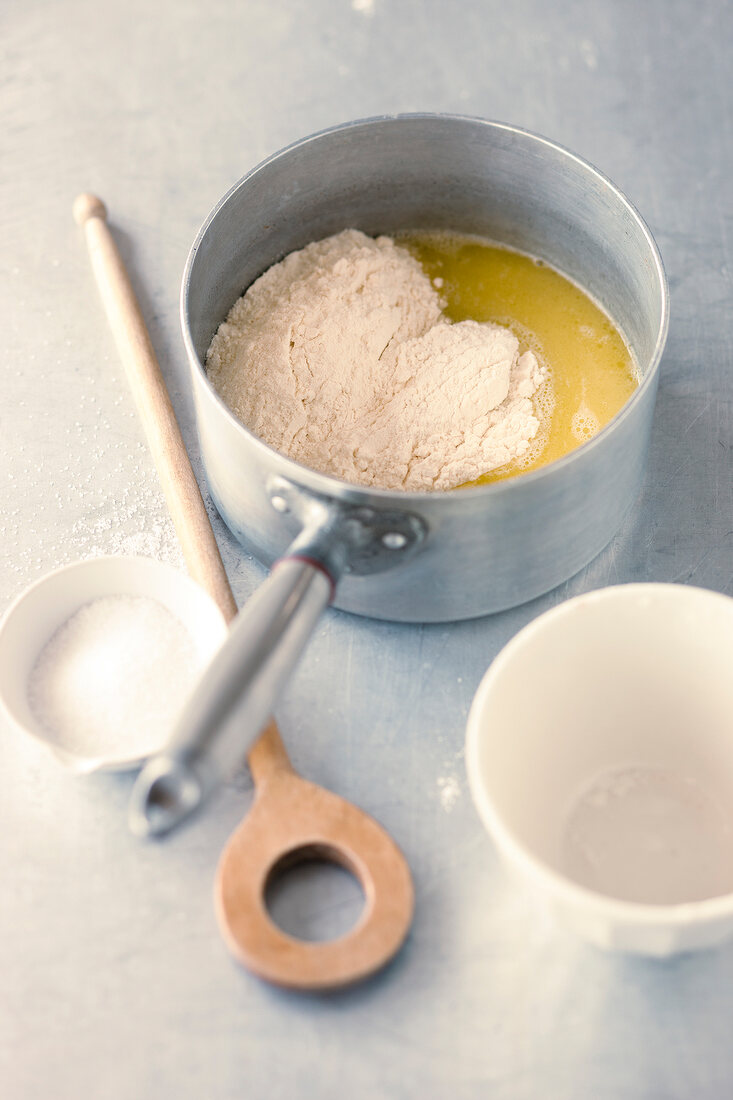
[
  {"x": 600, "y": 758},
  {"x": 39, "y": 611}
]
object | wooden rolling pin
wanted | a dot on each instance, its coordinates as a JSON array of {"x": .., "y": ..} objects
[{"x": 291, "y": 819}]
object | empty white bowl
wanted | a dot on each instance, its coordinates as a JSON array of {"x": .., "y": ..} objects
[
  {"x": 600, "y": 758},
  {"x": 39, "y": 611}
]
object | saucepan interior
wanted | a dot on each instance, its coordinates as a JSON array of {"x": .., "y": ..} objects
[{"x": 486, "y": 548}]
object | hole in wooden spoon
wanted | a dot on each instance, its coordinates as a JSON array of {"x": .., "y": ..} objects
[{"x": 313, "y": 894}]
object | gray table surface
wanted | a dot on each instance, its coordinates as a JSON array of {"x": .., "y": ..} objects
[{"x": 113, "y": 980}]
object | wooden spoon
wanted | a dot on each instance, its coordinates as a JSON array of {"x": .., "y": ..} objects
[{"x": 291, "y": 819}]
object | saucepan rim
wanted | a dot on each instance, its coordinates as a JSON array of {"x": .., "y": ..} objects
[{"x": 331, "y": 486}]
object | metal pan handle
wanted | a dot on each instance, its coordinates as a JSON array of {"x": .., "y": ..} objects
[{"x": 230, "y": 706}]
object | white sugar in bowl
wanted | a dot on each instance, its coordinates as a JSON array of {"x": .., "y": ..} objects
[{"x": 98, "y": 658}]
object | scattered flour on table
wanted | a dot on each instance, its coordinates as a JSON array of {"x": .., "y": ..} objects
[
  {"x": 449, "y": 791},
  {"x": 111, "y": 681},
  {"x": 341, "y": 358}
]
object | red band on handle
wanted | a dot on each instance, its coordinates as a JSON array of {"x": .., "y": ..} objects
[{"x": 316, "y": 565}]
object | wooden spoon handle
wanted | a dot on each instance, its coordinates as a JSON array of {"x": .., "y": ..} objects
[
  {"x": 178, "y": 481},
  {"x": 268, "y": 756},
  {"x": 291, "y": 817},
  {"x": 177, "y": 478}
]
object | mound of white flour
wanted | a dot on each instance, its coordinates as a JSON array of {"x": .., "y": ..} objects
[{"x": 341, "y": 358}]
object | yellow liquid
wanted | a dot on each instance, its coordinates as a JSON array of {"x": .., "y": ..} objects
[{"x": 591, "y": 373}]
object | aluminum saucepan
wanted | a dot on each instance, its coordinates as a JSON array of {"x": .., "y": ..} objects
[{"x": 410, "y": 557}]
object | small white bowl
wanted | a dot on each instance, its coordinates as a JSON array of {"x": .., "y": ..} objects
[
  {"x": 599, "y": 753},
  {"x": 39, "y": 611}
]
